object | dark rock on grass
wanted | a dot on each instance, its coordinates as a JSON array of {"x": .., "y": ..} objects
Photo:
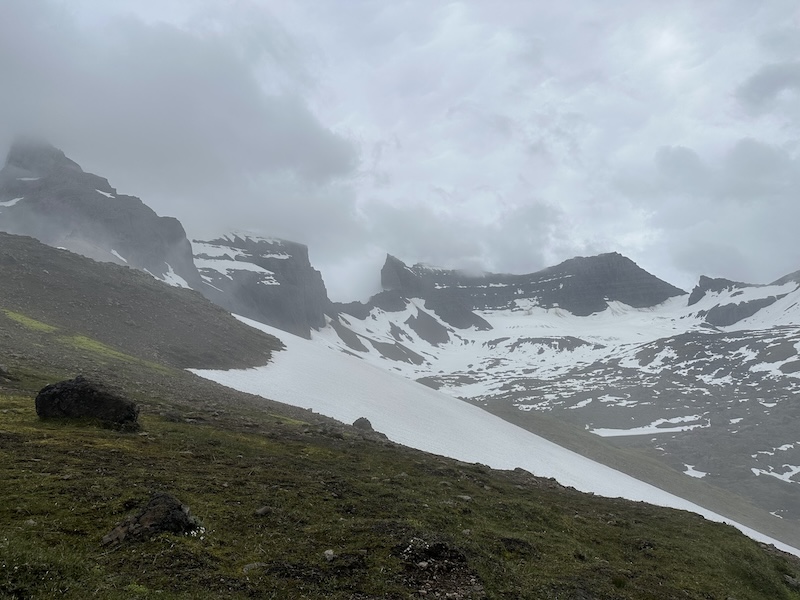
[
  {"x": 163, "y": 514},
  {"x": 79, "y": 398},
  {"x": 4, "y": 373},
  {"x": 439, "y": 568}
]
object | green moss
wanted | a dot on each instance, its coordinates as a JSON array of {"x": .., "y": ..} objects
[
  {"x": 28, "y": 322},
  {"x": 102, "y": 350},
  {"x": 315, "y": 489}
]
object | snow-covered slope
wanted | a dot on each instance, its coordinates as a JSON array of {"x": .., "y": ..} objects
[{"x": 312, "y": 376}]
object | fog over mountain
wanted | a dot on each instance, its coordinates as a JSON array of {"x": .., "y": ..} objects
[{"x": 489, "y": 136}]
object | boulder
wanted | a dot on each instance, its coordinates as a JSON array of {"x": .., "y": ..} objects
[
  {"x": 363, "y": 424},
  {"x": 79, "y": 398},
  {"x": 164, "y": 513}
]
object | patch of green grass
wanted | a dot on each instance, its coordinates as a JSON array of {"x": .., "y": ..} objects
[
  {"x": 66, "y": 485},
  {"x": 28, "y": 322},
  {"x": 102, "y": 350}
]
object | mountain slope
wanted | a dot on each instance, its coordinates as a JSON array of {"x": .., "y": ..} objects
[
  {"x": 293, "y": 504},
  {"x": 705, "y": 385},
  {"x": 152, "y": 321},
  {"x": 345, "y": 388}
]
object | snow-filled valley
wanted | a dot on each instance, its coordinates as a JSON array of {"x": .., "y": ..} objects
[{"x": 309, "y": 375}]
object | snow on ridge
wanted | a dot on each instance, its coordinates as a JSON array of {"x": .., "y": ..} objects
[
  {"x": 106, "y": 194},
  {"x": 119, "y": 256},
  {"x": 9, "y": 203},
  {"x": 172, "y": 278},
  {"x": 345, "y": 388},
  {"x": 654, "y": 428}
]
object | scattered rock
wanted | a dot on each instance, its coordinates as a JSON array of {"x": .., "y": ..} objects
[
  {"x": 439, "y": 569},
  {"x": 80, "y": 398},
  {"x": 329, "y": 555},
  {"x": 164, "y": 513}
]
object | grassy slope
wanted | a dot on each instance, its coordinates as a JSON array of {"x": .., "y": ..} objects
[
  {"x": 323, "y": 485},
  {"x": 642, "y": 464}
]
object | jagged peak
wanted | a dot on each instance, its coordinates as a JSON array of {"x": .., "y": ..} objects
[{"x": 715, "y": 284}]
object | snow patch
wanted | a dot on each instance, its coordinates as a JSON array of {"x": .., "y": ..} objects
[
  {"x": 8, "y": 203},
  {"x": 692, "y": 472},
  {"x": 106, "y": 194}
]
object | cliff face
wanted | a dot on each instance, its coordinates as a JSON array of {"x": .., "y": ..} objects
[
  {"x": 580, "y": 285},
  {"x": 46, "y": 195},
  {"x": 268, "y": 280}
]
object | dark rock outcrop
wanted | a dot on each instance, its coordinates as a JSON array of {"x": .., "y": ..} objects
[
  {"x": 80, "y": 398},
  {"x": 363, "y": 424},
  {"x": 268, "y": 280},
  {"x": 163, "y": 514},
  {"x": 714, "y": 284},
  {"x": 728, "y": 314},
  {"x": 46, "y": 195}
]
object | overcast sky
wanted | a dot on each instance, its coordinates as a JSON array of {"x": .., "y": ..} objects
[{"x": 502, "y": 135}]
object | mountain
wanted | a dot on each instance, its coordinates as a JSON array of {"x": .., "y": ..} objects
[
  {"x": 48, "y": 196},
  {"x": 595, "y": 354},
  {"x": 580, "y": 285},
  {"x": 266, "y": 279},
  {"x": 290, "y": 502}
]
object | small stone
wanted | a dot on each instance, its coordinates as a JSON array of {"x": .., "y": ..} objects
[
  {"x": 30, "y": 522},
  {"x": 263, "y": 511},
  {"x": 423, "y": 564},
  {"x": 255, "y": 565},
  {"x": 465, "y": 498},
  {"x": 329, "y": 555}
]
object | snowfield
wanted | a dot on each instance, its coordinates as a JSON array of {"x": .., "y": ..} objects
[{"x": 337, "y": 385}]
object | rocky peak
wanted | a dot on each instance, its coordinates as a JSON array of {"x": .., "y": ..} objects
[
  {"x": 395, "y": 275},
  {"x": 266, "y": 279},
  {"x": 48, "y": 196},
  {"x": 714, "y": 284}
]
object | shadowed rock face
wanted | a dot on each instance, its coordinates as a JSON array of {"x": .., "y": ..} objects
[
  {"x": 268, "y": 280},
  {"x": 46, "y": 195},
  {"x": 580, "y": 285}
]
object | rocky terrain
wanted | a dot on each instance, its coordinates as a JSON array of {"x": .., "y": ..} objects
[
  {"x": 284, "y": 502},
  {"x": 704, "y": 383},
  {"x": 269, "y": 280}
]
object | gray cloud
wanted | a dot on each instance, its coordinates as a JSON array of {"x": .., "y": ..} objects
[
  {"x": 763, "y": 87},
  {"x": 504, "y": 136}
]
